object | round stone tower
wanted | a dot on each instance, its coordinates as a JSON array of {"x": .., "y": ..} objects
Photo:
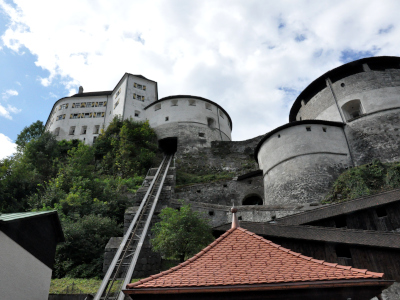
[
  {"x": 347, "y": 117},
  {"x": 188, "y": 121}
]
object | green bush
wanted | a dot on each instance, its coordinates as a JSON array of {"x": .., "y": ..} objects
[{"x": 364, "y": 180}]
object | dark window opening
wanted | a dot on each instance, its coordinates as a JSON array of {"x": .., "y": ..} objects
[
  {"x": 211, "y": 122},
  {"x": 342, "y": 84},
  {"x": 324, "y": 129},
  {"x": 210, "y": 213},
  {"x": 225, "y": 185},
  {"x": 199, "y": 191},
  {"x": 252, "y": 200},
  {"x": 343, "y": 251},
  {"x": 341, "y": 222},
  {"x": 168, "y": 145},
  {"x": 202, "y": 134},
  {"x": 279, "y": 135},
  {"x": 249, "y": 182},
  {"x": 308, "y": 128},
  {"x": 240, "y": 218},
  {"x": 381, "y": 212},
  {"x": 166, "y": 118}
]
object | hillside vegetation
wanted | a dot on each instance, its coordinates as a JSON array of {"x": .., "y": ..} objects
[
  {"x": 89, "y": 186},
  {"x": 365, "y": 180}
]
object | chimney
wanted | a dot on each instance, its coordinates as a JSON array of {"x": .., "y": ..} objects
[{"x": 80, "y": 90}]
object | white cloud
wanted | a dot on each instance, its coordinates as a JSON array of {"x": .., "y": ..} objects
[
  {"x": 9, "y": 93},
  {"x": 252, "y": 57},
  {"x": 7, "y": 146},
  {"x": 5, "y": 111}
]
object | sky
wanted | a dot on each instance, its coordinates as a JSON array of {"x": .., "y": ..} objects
[{"x": 251, "y": 57}]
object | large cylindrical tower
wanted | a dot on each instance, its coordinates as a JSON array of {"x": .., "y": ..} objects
[
  {"x": 364, "y": 94},
  {"x": 193, "y": 121}
]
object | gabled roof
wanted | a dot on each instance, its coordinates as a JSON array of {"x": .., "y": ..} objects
[{"x": 240, "y": 257}]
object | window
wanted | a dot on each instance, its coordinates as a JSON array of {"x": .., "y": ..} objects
[
  {"x": 192, "y": 102},
  {"x": 202, "y": 134},
  {"x": 102, "y": 114},
  {"x": 137, "y": 113},
  {"x": 352, "y": 109},
  {"x": 166, "y": 118},
  {"x": 211, "y": 122},
  {"x": 174, "y": 102},
  {"x": 208, "y": 106},
  {"x": 252, "y": 200},
  {"x": 101, "y": 104},
  {"x": 116, "y": 95},
  {"x": 63, "y": 106},
  {"x": 94, "y": 139},
  {"x": 87, "y": 115},
  {"x": 308, "y": 128},
  {"x": 60, "y": 117},
  {"x": 57, "y": 131},
  {"x": 116, "y": 104},
  {"x": 210, "y": 212},
  {"x": 157, "y": 106},
  {"x": 138, "y": 97},
  {"x": 83, "y": 130},
  {"x": 76, "y": 105},
  {"x": 83, "y": 104},
  {"x": 381, "y": 212},
  {"x": 324, "y": 129},
  {"x": 139, "y": 86},
  {"x": 73, "y": 116},
  {"x": 96, "y": 129},
  {"x": 221, "y": 114},
  {"x": 72, "y": 130}
]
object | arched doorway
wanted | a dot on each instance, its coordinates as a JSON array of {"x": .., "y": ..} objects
[
  {"x": 252, "y": 199},
  {"x": 168, "y": 145}
]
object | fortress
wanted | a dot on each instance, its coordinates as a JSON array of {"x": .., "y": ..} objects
[{"x": 345, "y": 118}]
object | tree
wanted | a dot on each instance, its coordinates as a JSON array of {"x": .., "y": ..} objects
[
  {"x": 181, "y": 233},
  {"x": 81, "y": 256},
  {"x": 33, "y": 131}
]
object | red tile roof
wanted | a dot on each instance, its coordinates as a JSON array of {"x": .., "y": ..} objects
[{"x": 240, "y": 257}]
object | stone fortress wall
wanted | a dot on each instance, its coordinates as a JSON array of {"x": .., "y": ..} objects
[{"x": 347, "y": 117}]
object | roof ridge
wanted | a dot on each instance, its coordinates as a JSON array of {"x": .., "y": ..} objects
[
  {"x": 322, "y": 262},
  {"x": 194, "y": 257}
]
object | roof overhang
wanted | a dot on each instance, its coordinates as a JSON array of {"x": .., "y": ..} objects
[{"x": 375, "y": 286}]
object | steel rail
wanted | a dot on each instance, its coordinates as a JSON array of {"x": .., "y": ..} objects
[
  {"x": 132, "y": 265},
  {"x": 117, "y": 255}
]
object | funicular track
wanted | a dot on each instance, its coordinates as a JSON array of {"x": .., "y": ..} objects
[{"x": 120, "y": 272}]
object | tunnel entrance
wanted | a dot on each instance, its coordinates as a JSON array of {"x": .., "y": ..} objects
[
  {"x": 168, "y": 145},
  {"x": 252, "y": 200}
]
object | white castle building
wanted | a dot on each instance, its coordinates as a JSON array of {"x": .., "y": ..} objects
[{"x": 192, "y": 121}]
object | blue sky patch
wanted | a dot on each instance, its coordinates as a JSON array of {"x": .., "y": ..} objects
[{"x": 349, "y": 55}]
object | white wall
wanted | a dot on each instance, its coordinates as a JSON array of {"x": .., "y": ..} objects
[{"x": 22, "y": 275}]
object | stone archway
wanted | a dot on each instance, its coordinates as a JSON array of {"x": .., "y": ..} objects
[{"x": 252, "y": 199}]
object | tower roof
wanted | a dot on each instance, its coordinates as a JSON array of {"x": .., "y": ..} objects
[{"x": 240, "y": 257}]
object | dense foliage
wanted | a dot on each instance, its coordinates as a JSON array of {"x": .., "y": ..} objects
[
  {"x": 89, "y": 186},
  {"x": 181, "y": 233},
  {"x": 365, "y": 180}
]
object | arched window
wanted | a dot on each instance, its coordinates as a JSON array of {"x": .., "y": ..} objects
[
  {"x": 252, "y": 199},
  {"x": 352, "y": 109}
]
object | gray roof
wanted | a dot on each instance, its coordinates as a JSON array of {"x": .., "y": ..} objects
[
  {"x": 322, "y": 234},
  {"x": 337, "y": 209}
]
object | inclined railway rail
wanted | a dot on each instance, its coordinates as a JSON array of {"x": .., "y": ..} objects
[{"x": 120, "y": 272}]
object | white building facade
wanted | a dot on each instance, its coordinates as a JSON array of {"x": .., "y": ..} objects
[{"x": 194, "y": 121}]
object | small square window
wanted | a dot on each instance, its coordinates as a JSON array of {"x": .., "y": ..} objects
[
  {"x": 208, "y": 106},
  {"x": 157, "y": 106},
  {"x": 324, "y": 129},
  {"x": 72, "y": 130},
  {"x": 137, "y": 113},
  {"x": 221, "y": 114},
  {"x": 96, "y": 129},
  {"x": 211, "y": 213},
  {"x": 174, "y": 102},
  {"x": 166, "y": 118},
  {"x": 202, "y": 134},
  {"x": 308, "y": 128},
  {"x": 192, "y": 102},
  {"x": 84, "y": 128}
]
